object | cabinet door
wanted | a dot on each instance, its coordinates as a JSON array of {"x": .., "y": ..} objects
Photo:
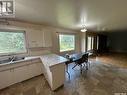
[
  {"x": 47, "y": 42},
  {"x": 6, "y": 78},
  {"x": 35, "y": 69},
  {"x": 21, "y": 74},
  {"x": 35, "y": 38}
]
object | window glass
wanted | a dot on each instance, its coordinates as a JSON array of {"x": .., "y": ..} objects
[
  {"x": 12, "y": 42},
  {"x": 89, "y": 43},
  {"x": 66, "y": 42}
]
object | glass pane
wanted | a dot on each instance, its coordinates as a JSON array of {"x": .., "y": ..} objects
[
  {"x": 89, "y": 43},
  {"x": 66, "y": 42},
  {"x": 12, "y": 42},
  {"x": 92, "y": 42},
  {"x": 97, "y": 42}
]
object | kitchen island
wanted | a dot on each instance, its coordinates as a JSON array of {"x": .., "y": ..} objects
[{"x": 54, "y": 70}]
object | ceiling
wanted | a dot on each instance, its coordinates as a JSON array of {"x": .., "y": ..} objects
[{"x": 98, "y": 15}]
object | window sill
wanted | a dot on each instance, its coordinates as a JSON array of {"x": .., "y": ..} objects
[{"x": 66, "y": 51}]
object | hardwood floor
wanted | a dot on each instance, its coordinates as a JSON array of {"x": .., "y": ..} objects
[
  {"x": 117, "y": 59},
  {"x": 106, "y": 76}
]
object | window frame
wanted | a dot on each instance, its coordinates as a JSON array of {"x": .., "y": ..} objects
[
  {"x": 74, "y": 42},
  {"x": 25, "y": 42}
]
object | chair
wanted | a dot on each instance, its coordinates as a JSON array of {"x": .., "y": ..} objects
[
  {"x": 81, "y": 61},
  {"x": 85, "y": 60}
]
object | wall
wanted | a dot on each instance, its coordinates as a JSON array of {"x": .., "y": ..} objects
[
  {"x": 39, "y": 51},
  {"x": 117, "y": 41}
]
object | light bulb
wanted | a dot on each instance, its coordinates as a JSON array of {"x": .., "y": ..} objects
[{"x": 83, "y": 30}]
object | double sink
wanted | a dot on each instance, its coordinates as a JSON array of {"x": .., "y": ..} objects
[{"x": 11, "y": 59}]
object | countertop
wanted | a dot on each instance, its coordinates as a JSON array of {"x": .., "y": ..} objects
[
  {"x": 52, "y": 59},
  {"x": 19, "y": 61},
  {"x": 49, "y": 59}
]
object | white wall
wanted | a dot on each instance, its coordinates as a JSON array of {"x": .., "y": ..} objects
[{"x": 16, "y": 25}]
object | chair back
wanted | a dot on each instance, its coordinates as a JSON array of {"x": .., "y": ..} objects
[{"x": 85, "y": 57}]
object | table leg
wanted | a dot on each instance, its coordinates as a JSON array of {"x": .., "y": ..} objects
[{"x": 67, "y": 70}]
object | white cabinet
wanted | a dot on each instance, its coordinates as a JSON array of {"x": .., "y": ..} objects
[
  {"x": 35, "y": 38},
  {"x": 55, "y": 75},
  {"x": 13, "y": 75},
  {"x": 47, "y": 38},
  {"x": 21, "y": 74},
  {"x": 27, "y": 71},
  {"x": 6, "y": 78},
  {"x": 34, "y": 70},
  {"x": 39, "y": 38},
  {"x": 48, "y": 75}
]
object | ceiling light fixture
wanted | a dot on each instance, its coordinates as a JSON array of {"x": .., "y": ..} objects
[
  {"x": 83, "y": 25},
  {"x": 83, "y": 29}
]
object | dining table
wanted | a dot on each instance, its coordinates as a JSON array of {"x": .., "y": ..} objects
[{"x": 76, "y": 56}]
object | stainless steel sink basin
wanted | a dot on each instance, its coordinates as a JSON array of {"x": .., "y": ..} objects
[
  {"x": 5, "y": 61},
  {"x": 11, "y": 59},
  {"x": 18, "y": 58}
]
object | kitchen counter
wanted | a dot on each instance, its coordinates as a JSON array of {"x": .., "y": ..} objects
[
  {"x": 52, "y": 59},
  {"x": 51, "y": 65},
  {"x": 54, "y": 70},
  {"x": 22, "y": 60}
]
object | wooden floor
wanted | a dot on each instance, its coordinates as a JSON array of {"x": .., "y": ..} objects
[
  {"x": 107, "y": 75},
  {"x": 117, "y": 59}
]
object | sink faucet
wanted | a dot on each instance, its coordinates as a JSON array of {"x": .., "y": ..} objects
[{"x": 12, "y": 58}]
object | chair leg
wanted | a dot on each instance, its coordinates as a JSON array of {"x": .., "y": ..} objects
[
  {"x": 84, "y": 65},
  {"x": 88, "y": 63},
  {"x": 67, "y": 71},
  {"x": 68, "y": 74},
  {"x": 81, "y": 68},
  {"x": 74, "y": 66},
  {"x": 87, "y": 66}
]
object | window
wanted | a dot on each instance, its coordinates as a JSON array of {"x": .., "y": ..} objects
[
  {"x": 97, "y": 42},
  {"x": 66, "y": 42},
  {"x": 90, "y": 42},
  {"x": 12, "y": 42}
]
